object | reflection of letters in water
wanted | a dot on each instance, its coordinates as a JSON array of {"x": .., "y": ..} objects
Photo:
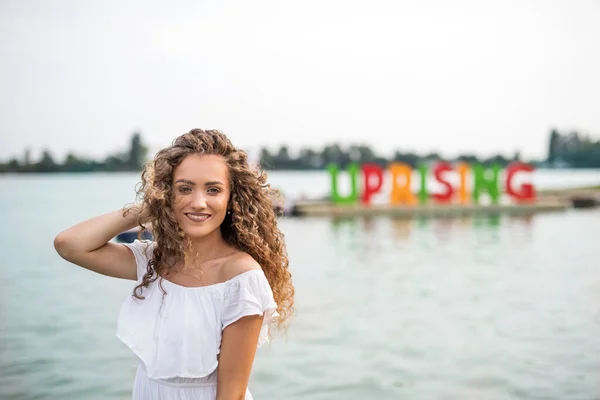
[{"x": 483, "y": 180}]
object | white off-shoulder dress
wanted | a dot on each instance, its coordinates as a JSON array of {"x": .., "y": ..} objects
[{"x": 177, "y": 337}]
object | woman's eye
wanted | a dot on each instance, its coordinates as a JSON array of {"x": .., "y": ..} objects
[
  {"x": 213, "y": 190},
  {"x": 184, "y": 189}
]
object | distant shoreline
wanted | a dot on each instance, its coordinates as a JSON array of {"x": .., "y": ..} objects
[{"x": 565, "y": 151}]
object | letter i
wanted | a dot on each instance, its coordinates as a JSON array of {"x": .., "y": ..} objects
[{"x": 463, "y": 193}]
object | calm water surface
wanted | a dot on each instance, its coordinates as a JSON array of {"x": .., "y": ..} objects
[{"x": 492, "y": 308}]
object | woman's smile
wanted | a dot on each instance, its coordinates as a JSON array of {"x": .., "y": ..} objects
[{"x": 197, "y": 217}]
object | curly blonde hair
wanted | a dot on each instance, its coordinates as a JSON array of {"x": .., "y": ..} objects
[{"x": 251, "y": 227}]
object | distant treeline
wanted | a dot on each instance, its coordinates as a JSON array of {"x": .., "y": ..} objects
[
  {"x": 571, "y": 150},
  {"x": 564, "y": 151},
  {"x": 131, "y": 160},
  {"x": 309, "y": 159}
]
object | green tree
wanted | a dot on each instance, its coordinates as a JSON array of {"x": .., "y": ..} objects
[
  {"x": 115, "y": 163},
  {"x": 283, "y": 156},
  {"x": 137, "y": 153},
  {"x": 73, "y": 163},
  {"x": 283, "y": 159},
  {"x": 309, "y": 159},
  {"x": 586, "y": 157},
  {"x": 46, "y": 163},
  {"x": 266, "y": 158},
  {"x": 497, "y": 159},
  {"x": 366, "y": 154},
  {"x": 433, "y": 156},
  {"x": 517, "y": 156},
  {"x": 27, "y": 165},
  {"x": 553, "y": 146},
  {"x": 468, "y": 158},
  {"x": 332, "y": 154},
  {"x": 411, "y": 159},
  {"x": 335, "y": 154},
  {"x": 12, "y": 165},
  {"x": 27, "y": 156}
]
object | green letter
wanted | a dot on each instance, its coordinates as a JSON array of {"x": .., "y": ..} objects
[
  {"x": 423, "y": 195},
  {"x": 335, "y": 196},
  {"x": 481, "y": 183}
]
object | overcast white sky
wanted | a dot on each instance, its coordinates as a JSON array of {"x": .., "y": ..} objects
[{"x": 428, "y": 75}]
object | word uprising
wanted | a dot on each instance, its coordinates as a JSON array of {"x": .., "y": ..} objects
[{"x": 484, "y": 180}]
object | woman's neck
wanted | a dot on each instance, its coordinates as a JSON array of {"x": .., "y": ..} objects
[{"x": 209, "y": 247}]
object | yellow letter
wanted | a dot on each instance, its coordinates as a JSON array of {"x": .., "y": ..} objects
[
  {"x": 463, "y": 193},
  {"x": 401, "y": 194}
]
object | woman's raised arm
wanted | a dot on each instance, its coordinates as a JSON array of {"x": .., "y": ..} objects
[{"x": 88, "y": 245}]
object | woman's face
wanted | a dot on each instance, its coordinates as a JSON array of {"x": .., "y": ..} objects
[{"x": 201, "y": 194}]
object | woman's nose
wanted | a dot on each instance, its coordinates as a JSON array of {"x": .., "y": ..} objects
[{"x": 199, "y": 200}]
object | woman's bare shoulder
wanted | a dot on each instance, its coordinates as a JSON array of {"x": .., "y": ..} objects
[{"x": 237, "y": 264}]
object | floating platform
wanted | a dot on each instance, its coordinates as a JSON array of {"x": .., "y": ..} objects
[
  {"x": 555, "y": 200},
  {"x": 578, "y": 198},
  {"x": 328, "y": 209}
]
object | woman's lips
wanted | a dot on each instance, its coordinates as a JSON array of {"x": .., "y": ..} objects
[{"x": 195, "y": 217}]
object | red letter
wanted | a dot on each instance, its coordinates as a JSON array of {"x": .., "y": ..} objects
[
  {"x": 526, "y": 192},
  {"x": 369, "y": 190},
  {"x": 446, "y": 196}
]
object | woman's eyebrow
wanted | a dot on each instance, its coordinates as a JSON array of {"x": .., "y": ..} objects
[
  {"x": 211, "y": 183},
  {"x": 185, "y": 181}
]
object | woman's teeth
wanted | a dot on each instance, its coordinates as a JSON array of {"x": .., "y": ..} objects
[{"x": 198, "y": 218}]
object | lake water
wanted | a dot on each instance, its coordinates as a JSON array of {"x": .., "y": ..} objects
[{"x": 486, "y": 308}]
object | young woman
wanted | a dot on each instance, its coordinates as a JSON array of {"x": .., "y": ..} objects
[{"x": 212, "y": 281}]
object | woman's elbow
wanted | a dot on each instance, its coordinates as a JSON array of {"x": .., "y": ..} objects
[{"x": 61, "y": 245}]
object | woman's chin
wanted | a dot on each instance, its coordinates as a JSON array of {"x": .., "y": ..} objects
[{"x": 198, "y": 233}]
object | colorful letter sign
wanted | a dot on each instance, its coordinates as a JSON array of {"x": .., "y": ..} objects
[
  {"x": 447, "y": 195},
  {"x": 485, "y": 180},
  {"x": 370, "y": 172},
  {"x": 335, "y": 196}
]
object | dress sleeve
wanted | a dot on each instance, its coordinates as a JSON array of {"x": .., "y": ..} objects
[
  {"x": 142, "y": 250},
  {"x": 250, "y": 294}
]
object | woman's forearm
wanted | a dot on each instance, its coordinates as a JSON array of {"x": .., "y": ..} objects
[{"x": 95, "y": 232}]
